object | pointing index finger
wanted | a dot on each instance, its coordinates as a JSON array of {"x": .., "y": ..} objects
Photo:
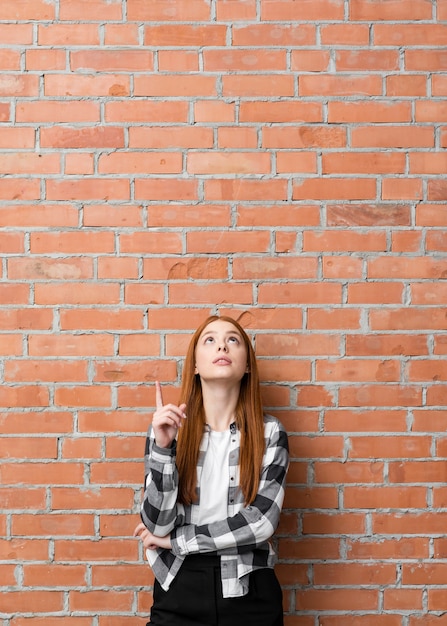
[{"x": 158, "y": 395}]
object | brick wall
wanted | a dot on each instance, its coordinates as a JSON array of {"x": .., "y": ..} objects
[{"x": 279, "y": 160}]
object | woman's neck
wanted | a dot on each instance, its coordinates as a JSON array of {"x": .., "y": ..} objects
[{"x": 219, "y": 403}]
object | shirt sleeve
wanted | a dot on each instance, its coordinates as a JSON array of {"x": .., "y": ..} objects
[
  {"x": 253, "y": 525},
  {"x": 160, "y": 511}
]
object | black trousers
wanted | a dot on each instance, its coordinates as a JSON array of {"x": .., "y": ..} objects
[{"x": 195, "y": 598}]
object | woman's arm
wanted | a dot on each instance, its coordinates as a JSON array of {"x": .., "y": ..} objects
[
  {"x": 159, "y": 510},
  {"x": 252, "y": 525}
]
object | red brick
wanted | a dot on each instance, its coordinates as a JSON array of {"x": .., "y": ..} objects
[
  {"x": 369, "y": 60},
  {"x": 402, "y": 599},
  {"x": 45, "y": 59},
  {"x": 278, "y": 215},
  {"x": 102, "y": 600},
  {"x": 233, "y": 11},
  {"x": 25, "y": 396},
  {"x": 158, "y": 10},
  {"x": 213, "y": 111},
  {"x": 121, "y": 34},
  {"x": 303, "y": 137},
  {"x": 45, "y": 473},
  {"x": 128, "y": 371},
  {"x": 108, "y": 215},
  {"x": 172, "y": 268},
  {"x": 330, "y": 85},
  {"x": 363, "y": 163},
  {"x": 87, "y": 85},
  {"x": 292, "y": 34},
  {"x": 70, "y": 345},
  {"x": 87, "y": 189},
  {"x": 166, "y": 85},
  {"x": 212, "y": 293},
  {"x": 304, "y": 11},
  {"x": 340, "y": 420},
  {"x": 281, "y": 111},
  {"x": 240, "y": 189},
  {"x": 163, "y": 137},
  {"x": 73, "y": 10},
  {"x": 335, "y": 188},
  {"x": 406, "y": 85},
  {"x": 300, "y": 293},
  {"x": 19, "y": 86},
  {"x": 100, "y": 319},
  {"x": 353, "y": 370},
  {"x": 68, "y": 34},
  {"x": 332, "y": 319},
  {"x": 23, "y": 10},
  {"x": 103, "y": 498},
  {"x": 392, "y": 136},
  {"x": 416, "y": 268},
  {"x": 55, "y": 575},
  {"x": 345, "y": 34},
  {"x": 111, "y": 60},
  {"x": 237, "y": 138},
  {"x": 77, "y": 293},
  {"x": 273, "y": 85},
  {"x": 380, "y": 395},
  {"x": 140, "y": 163},
  {"x": 426, "y": 60},
  {"x": 87, "y": 137},
  {"x": 248, "y": 60},
  {"x": 146, "y": 110},
  {"x": 165, "y": 189},
  {"x": 229, "y": 163},
  {"x": 343, "y": 241},
  {"x": 83, "y": 396},
  {"x": 395, "y": 10},
  {"x": 227, "y": 241},
  {"x": 109, "y": 550},
  {"x": 41, "y": 601},
  {"x": 58, "y": 111},
  {"x": 185, "y": 35},
  {"x": 45, "y": 268},
  {"x": 271, "y": 268},
  {"x": 45, "y": 371},
  {"x": 375, "y": 293},
  {"x": 81, "y": 448}
]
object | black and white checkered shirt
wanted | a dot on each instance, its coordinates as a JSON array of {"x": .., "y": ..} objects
[{"x": 242, "y": 539}]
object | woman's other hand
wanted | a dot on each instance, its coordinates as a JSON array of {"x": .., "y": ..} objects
[{"x": 149, "y": 540}]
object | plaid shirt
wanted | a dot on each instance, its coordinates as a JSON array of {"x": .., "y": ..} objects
[{"x": 242, "y": 539}]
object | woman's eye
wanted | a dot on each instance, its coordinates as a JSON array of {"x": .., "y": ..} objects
[
  {"x": 234, "y": 339},
  {"x": 209, "y": 339}
]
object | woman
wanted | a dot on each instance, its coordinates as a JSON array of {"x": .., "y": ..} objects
[{"x": 215, "y": 474}]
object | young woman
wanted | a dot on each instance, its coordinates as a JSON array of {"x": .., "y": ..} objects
[{"x": 215, "y": 470}]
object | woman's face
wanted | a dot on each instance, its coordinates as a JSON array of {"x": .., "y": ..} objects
[{"x": 221, "y": 353}]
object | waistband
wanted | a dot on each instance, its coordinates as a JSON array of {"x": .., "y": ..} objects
[{"x": 207, "y": 560}]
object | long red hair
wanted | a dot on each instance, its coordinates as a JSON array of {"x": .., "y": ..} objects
[{"x": 249, "y": 420}]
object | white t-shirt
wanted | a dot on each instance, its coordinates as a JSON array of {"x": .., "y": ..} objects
[{"x": 214, "y": 480}]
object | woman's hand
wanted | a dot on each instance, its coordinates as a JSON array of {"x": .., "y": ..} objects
[
  {"x": 149, "y": 540},
  {"x": 166, "y": 420}
]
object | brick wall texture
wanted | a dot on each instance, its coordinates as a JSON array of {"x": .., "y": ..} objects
[{"x": 281, "y": 161}]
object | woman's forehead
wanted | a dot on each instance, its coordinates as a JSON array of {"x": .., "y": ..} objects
[{"x": 220, "y": 326}]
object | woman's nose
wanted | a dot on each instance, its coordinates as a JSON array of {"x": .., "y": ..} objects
[{"x": 223, "y": 347}]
